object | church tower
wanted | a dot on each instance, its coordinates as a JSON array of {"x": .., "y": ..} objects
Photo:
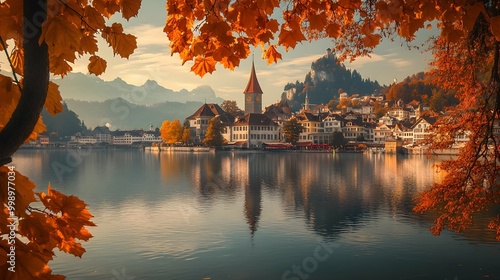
[{"x": 253, "y": 94}]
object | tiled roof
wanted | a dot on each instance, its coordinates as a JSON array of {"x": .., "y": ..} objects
[
  {"x": 211, "y": 110},
  {"x": 253, "y": 84},
  {"x": 255, "y": 119}
]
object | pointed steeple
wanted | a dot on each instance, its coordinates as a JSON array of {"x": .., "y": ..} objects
[
  {"x": 253, "y": 84},
  {"x": 306, "y": 105}
]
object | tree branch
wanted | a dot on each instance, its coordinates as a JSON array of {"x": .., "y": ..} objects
[
  {"x": 36, "y": 80},
  {"x": 4, "y": 46}
]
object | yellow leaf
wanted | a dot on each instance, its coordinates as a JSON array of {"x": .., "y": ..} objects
[
  {"x": 97, "y": 65},
  {"x": 60, "y": 35},
  {"x": 495, "y": 27},
  {"x": 17, "y": 60},
  {"x": 130, "y": 8},
  {"x": 203, "y": 65},
  {"x": 53, "y": 102},
  {"x": 272, "y": 55}
]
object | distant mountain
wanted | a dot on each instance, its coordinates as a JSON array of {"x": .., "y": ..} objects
[
  {"x": 124, "y": 115},
  {"x": 79, "y": 86},
  {"x": 326, "y": 80}
]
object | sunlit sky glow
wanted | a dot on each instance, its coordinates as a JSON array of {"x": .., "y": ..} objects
[{"x": 152, "y": 60}]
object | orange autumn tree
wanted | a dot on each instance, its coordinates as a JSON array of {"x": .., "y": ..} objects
[
  {"x": 466, "y": 54},
  {"x": 41, "y": 38}
]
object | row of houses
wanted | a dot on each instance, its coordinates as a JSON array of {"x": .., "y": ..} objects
[
  {"x": 253, "y": 129},
  {"x": 101, "y": 135},
  {"x": 358, "y": 124}
]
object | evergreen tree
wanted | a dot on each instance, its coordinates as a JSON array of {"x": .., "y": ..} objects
[
  {"x": 338, "y": 140},
  {"x": 66, "y": 123}
]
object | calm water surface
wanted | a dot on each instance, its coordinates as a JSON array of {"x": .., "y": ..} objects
[{"x": 257, "y": 216}]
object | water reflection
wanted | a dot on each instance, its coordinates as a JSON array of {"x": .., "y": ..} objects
[
  {"x": 333, "y": 192},
  {"x": 189, "y": 216}
]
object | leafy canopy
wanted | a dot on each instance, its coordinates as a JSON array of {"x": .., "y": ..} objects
[{"x": 211, "y": 32}]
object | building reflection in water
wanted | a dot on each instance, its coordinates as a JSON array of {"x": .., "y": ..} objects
[{"x": 334, "y": 193}]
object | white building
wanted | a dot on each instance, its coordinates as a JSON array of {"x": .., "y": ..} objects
[
  {"x": 253, "y": 130},
  {"x": 421, "y": 129}
]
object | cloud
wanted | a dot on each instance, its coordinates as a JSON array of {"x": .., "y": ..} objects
[
  {"x": 149, "y": 35},
  {"x": 361, "y": 62},
  {"x": 400, "y": 63}
]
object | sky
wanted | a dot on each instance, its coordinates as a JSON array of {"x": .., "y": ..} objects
[{"x": 152, "y": 61}]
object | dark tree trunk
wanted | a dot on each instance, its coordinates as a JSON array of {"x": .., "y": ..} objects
[{"x": 35, "y": 84}]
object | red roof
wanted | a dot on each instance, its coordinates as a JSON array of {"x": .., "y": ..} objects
[{"x": 253, "y": 84}]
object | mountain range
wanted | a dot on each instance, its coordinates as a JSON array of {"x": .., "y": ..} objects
[
  {"x": 79, "y": 86},
  {"x": 125, "y": 106},
  {"x": 123, "y": 115}
]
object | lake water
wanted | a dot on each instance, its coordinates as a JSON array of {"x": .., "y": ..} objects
[{"x": 257, "y": 216}]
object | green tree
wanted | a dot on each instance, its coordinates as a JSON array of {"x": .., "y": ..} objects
[
  {"x": 438, "y": 101},
  {"x": 338, "y": 141},
  {"x": 65, "y": 123},
  {"x": 213, "y": 137},
  {"x": 292, "y": 129},
  {"x": 231, "y": 107},
  {"x": 332, "y": 105}
]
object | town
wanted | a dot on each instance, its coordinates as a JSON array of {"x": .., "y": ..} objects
[{"x": 351, "y": 122}]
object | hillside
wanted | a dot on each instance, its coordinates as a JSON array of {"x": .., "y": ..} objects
[
  {"x": 422, "y": 87},
  {"x": 90, "y": 88},
  {"x": 326, "y": 80},
  {"x": 122, "y": 114}
]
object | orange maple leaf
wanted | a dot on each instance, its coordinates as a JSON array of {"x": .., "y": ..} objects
[
  {"x": 272, "y": 55},
  {"x": 58, "y": 65},
  {"x": 23, "y": 190},
  {"x": 203, "y": 65},
  {"x": 53, "y": 102},
  {"x": 130, "y": 8},
  {"x": 61, "y": 35},
  {"x": 231, "y": 62},
  {"x": 97, "y": 65},
  {"x": 122, "y": 44}
]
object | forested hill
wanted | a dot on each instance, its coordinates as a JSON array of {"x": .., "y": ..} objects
[
  {"x": 422, "y": 87},
  {"x": 326, "y": 80}
]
